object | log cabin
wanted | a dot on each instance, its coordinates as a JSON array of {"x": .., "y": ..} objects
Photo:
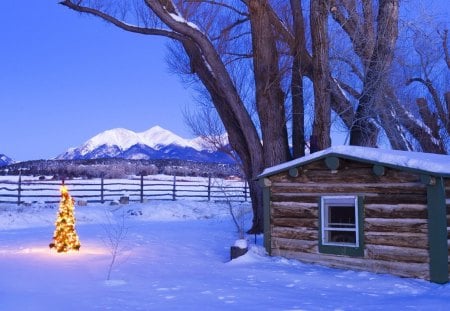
[{"x": 361, "y": 208}]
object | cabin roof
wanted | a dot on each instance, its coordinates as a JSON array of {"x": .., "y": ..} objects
[{"x": 420, "y": 162}]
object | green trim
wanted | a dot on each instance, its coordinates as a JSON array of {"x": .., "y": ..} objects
[
  {"x": 267, "y": 233},
  {"x": 437, "y": 231},
  {"x": 357, "y": 251},
  {"x": 293, "y": 172},
  {"x": 264, "y": 182},
  {"x": 332, "y": 163},
  {"x": 361, "y": 223},
  {"x": 428, "y": 180},
  {"x": 378, "y": 170}
]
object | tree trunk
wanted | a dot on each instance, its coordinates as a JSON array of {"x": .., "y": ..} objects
[
  {"x": 391, "y": 125},
  {"x": 322, "y": 111},
  {"x": 433, "y": 145},
  {"x": 269, "y": 95},
  {"x": 256, "y": 194},
  {"x": 364, "y": 131},
  {"x": 445, "y": 47},
  {"x": 447, "y": 102},
  {"x": 211, "y": 71},
  {"x": 298, "y": 109},
  {"x": 249, "y": 150}
]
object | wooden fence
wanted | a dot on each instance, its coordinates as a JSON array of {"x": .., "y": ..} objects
[{"x": 138, "y": 189}]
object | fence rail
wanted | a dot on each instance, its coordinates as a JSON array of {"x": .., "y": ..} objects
[{"x": 136, "y": 190}]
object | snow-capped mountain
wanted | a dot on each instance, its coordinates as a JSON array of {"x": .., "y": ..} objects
[
  {"x": 4, "y": 160},
  {"x": 155, "y": 143}
]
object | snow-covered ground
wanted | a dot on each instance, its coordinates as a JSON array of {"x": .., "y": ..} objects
[{"x": 175, "y": 256}]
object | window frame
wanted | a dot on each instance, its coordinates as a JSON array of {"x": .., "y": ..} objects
[{"x": 341, "y": 248}]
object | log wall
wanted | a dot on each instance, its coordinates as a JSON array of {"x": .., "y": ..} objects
[
  {"x": 447, "y": 201},
  {"x": 448, "y": 233},
  {"x": 395, "y": 217}
]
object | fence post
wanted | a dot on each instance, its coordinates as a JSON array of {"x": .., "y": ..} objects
[
  {"x": 245, "y": 191},
  {"x": 209, "y": 188},
  {"x": 142, "y": 188},
  {"x": 19, "y": 188},
  {"x": 174, "y": 189},
  {"x": 101, "y": 190}
]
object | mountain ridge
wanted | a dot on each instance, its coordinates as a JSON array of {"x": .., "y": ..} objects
[
  {"x": 5, "y": 160},
  {"x": 154, "y": 143}
]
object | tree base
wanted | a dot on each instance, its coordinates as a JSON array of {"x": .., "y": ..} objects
[{"x": 236, "y": 252}]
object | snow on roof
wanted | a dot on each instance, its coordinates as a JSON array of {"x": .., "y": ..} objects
[{"x": 425, "y": 162}]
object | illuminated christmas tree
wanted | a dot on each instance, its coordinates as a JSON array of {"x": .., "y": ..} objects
[{"x": 65, "y": 237}]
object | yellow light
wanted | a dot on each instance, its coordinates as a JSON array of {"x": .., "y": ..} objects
[{"x": 65, "y": 237}]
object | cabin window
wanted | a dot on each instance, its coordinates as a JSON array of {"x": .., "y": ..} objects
[{"x": 341, "y": 225}]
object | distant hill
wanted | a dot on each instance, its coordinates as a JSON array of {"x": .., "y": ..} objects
[
  {"x": 119, "y": 168},
  {"x": 153, "y": 144},
  {"x": 4, "y": 160}
]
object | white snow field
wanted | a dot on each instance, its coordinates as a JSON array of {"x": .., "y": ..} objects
[{"x": 175, "y": 256}]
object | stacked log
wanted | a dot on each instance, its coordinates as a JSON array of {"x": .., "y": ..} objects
[{"x": 395, "y": 217}]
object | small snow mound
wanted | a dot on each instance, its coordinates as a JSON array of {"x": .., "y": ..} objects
[
  {"x": 255, "y": 254},
  {"x": 241, "y": 243}
]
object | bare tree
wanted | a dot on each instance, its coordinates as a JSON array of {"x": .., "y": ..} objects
[
  {"x": 429, "y": 83},
  {"x": 209, "y": 68},
  {"x": 116, "y": 233},
  {"x": 246, "y": 55},
  {"x": 373, "y": 88},
  {"x": 206, "y": 124},
  {"x": 373, "y": 37}
]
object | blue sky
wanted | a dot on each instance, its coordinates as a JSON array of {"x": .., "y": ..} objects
[{"x": 65, "y": 77}]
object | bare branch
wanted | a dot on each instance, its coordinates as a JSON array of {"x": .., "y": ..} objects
[
  {"x": 428, "y": 117},
  {"x": 247, "y": 33},
  {"x": 420, "y": 131},
  {"x": 222, "y": 5},
  {"x": 240, "y": 55},
  {"x": 359, "y": 29},
  {"x": 289, "y": 38},
  {"x": 353, "y": 66},
  {"x": 131, "y": 28},
  {"x": 350, "y": 90},
  {"x": 227, "y": 29},
  {"x": 447, "y": 101},
  {"x": 445, "y": 45},
  {"x": 238, "y": 58},
  {"x": 340, "y": 103},
  {"x": 349, "y": 24},
  {"x": 434, "y": 95}
]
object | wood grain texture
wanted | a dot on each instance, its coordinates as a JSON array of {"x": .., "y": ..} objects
[{"x": 395, "y": 217}]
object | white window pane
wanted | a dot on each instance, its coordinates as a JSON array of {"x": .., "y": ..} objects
[{"x": 339, "y": 220}]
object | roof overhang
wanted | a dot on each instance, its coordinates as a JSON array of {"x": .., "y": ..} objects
[{"x": 417, "y": 162}]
